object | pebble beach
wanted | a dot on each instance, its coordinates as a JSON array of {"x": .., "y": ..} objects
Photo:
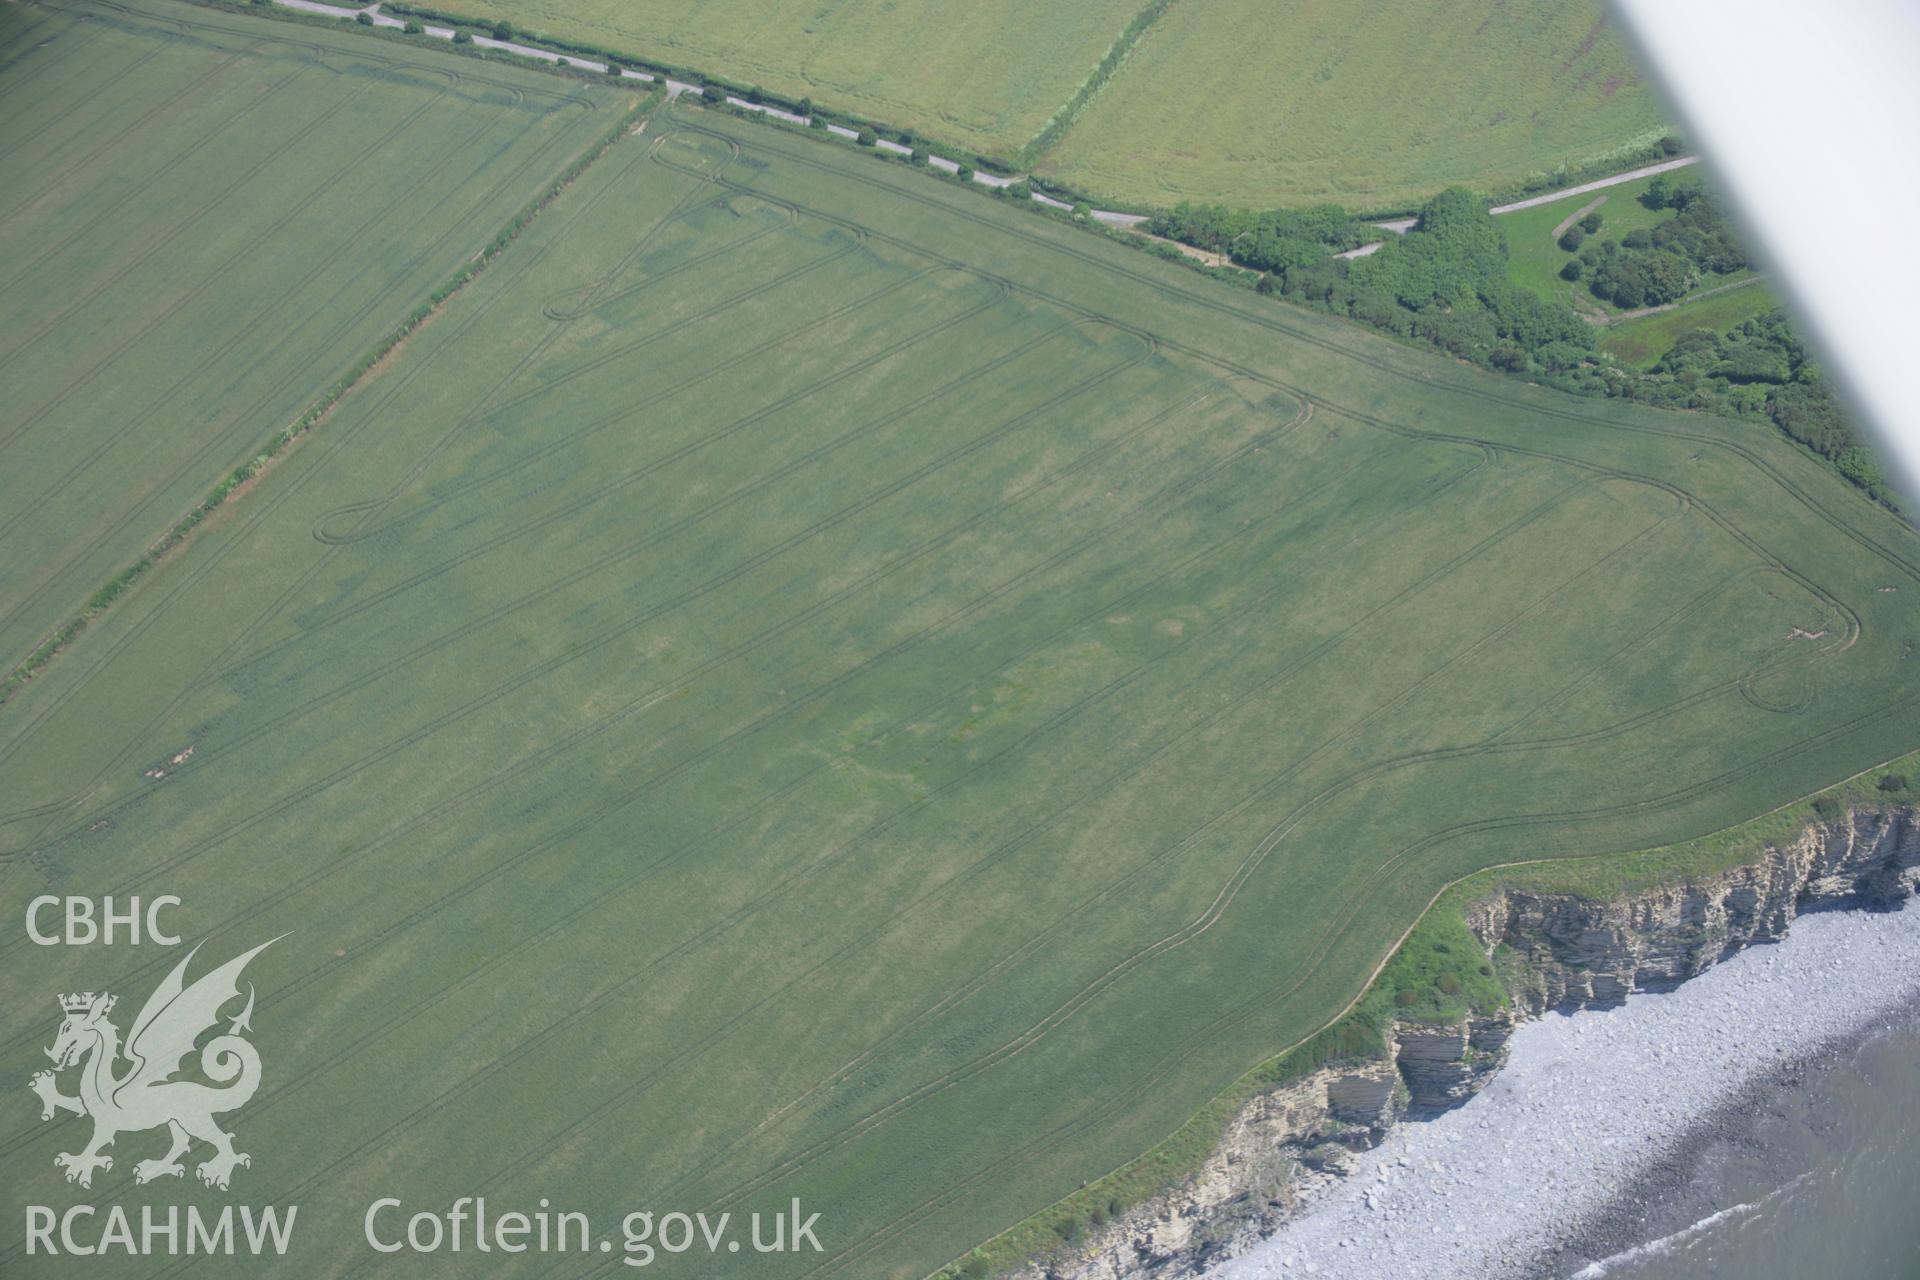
[{"x": 1589, "y": 1112}]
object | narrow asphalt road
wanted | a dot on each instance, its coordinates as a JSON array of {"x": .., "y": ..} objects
[
  {"x": 1646, "y": 171},
  {"x": 1400, "y": 226}
]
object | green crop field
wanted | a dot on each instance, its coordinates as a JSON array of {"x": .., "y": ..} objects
[
  {"x": 807, "y": 681},
  {"x": 985, "y": 75},
  {"x": 208, "y": 219}
]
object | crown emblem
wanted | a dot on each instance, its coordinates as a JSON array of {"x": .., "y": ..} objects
[{"x": 177, "y": 1029}]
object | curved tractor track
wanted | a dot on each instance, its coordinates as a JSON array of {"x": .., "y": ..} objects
[{"x": 920, "y": 652}]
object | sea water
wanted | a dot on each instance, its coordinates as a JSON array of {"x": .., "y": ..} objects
[{"x": 1821, "y": 1181}]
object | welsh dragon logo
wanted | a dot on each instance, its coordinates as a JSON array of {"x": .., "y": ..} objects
[{"x": 146, "y": 1095}]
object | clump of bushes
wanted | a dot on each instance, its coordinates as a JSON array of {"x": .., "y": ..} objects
[
  {"x": 1650, "y": 268},
  {"x": 1664, "y": 192},
  {"x": 1893, "y": 782},
  {"x": 1264, "y": 241},
  {"x": 1761, "y": 368},
  {"x": 1630, "y": 278}
]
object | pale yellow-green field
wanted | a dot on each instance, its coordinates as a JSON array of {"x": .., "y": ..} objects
[
  {"x": 1374, "y": 106},
  {"x": 986, "y": 74},
  {"x": 1371, "y": 106}
]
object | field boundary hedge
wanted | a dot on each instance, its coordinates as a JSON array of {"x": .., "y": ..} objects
[
  {"x": 392, "y": 35},
  {"x": 1631, "y": 155},
  {"x": 691, "y": 75},
  {"x": 1062, "y": 119},
  {"x": 1619, "y": 160},
  {"x": 276, "y": 445}
]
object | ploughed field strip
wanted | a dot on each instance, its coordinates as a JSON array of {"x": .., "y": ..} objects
[
  {"x": 807, "y": 682},
  {"x": 987, "y": 75},
  {"x": 208, "y": 218}
]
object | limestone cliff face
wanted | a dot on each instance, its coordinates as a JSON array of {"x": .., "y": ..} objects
[
  {"x": 1583, "y": 953},
  {"x": 1444, "y": 1066},
  {"x": 1281, "y": 1143},
  {"x": 1576, "y": 952}
]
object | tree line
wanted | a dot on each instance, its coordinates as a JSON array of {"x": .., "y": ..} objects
[{"x": 1445, "y": 283}]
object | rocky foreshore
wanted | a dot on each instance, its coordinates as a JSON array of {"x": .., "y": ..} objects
[
  {"x": 1319, "y": 1177},
  {"x": 1588, "y": 1110}
]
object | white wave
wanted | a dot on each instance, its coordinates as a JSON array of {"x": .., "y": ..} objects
[{"x": 1668, "y": 1243}]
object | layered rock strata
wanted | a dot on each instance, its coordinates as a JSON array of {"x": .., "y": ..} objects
[{"x": 1565, "y": 951}]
